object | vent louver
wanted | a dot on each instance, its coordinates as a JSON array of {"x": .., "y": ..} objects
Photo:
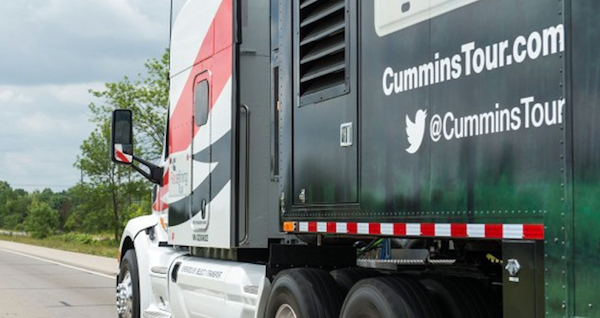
[{"x": 322, "y": 45}]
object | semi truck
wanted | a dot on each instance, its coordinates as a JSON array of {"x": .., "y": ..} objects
[{"x": 384, "y": 158}]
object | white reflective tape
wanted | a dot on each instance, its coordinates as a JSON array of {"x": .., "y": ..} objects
[
  {"x": 413, "y": 229},
  {"x": 512, "y": 231},
  {"x": 341, "y": 227},
  {"x": 322, "y": 227},
  {"x": 476, "y": 230},
  {"x": 303, "y": 226},
  {"x": 387, "y": 228},
  {"x": 363, "y": 228},
  {"x": 443, "y": 229}
]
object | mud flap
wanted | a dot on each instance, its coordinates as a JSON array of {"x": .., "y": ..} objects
[{"x": 523, "y": 279}]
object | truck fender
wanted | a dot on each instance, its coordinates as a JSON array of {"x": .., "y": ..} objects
[
  {"x": 264, "y": 298},
  {"x": 135, "y": 236},
  {"x": 137, "y": 225}
]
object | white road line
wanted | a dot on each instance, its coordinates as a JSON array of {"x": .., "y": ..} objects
[{"x": 60, "y": 264}]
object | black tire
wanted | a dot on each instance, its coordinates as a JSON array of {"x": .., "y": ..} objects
[
  {"x": 461, "y": 297},
  {"x": 129, "y": 273},
  {"x": 307, "y": 292},
  {"x": 347, "y": 277},
  {"x": 389, "y": 297}
]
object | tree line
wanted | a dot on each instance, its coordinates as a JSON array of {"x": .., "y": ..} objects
[{"x": 110, "y": 194}]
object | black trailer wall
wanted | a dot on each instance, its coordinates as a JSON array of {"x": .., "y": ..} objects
[
  {"x": 462, "y": 119},
  {"x": 479, "y": 111},
  {"x": 585, "y": 96},
  {"x": 484, "y": 82}
]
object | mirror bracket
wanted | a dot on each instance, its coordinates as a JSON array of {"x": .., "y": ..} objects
[{"x": 156, "y": 173}]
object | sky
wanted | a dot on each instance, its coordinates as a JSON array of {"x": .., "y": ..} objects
[{"x": 51, "y": 53}]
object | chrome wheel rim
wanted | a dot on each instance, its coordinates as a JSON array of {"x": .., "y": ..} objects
[
  {"x": 285, "y": 311},
  {"x": 125, "y": 297}
]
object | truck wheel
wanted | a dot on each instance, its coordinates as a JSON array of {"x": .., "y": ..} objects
[
  {"x": 389, "y": 296},
  {"x": 128, "y": 291},
  {"x": 347, "y": 277},
  {"x": 461, "y": 297},
  {"x": 304, "y": 292}
]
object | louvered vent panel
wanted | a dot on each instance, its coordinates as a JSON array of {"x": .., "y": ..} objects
[{"x": 322, "y": 45}]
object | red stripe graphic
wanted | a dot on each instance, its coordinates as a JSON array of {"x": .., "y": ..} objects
[
  {"x": 122, "y": 157},
  {"x": 218, "y": 59},
  {"x": 160, "y": 205}
]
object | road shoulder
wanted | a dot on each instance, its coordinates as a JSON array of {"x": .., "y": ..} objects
[{"x": 103, "y": 265}]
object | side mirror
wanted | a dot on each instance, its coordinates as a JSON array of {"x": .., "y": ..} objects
[{"x": 121, "y": 145}]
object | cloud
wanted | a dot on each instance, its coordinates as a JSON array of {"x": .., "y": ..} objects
[
  {"x": 9, "y": 96},
  {"x": 100, "y": 19},
  {"x": 41, "y": 129},
  {"x": 52, "y": 53},
  {"x": 67, "y": 41}
]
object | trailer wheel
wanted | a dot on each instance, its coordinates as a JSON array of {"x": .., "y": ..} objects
[
  {"x": 461, "y": 297},
  {"x": 304, "y": 292},
  {"x": 389, "y": 296},
  {"x": 128, "y": 291},
  {"x": 347, "y": 277}
]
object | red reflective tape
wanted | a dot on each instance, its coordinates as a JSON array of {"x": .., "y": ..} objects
[
  {"x": 533, "y": 231},
  {"x": 494, "y": 231},
  {"x": 458, "y": 230},
  {"x": 352, "y": 228},
  {"x": 312, "y": 226},
  {"x": 374, "y": 228},
  {"x": 122, "y": 157},
  {"x": 331, "y": 227},
  {"x": 399, "y": 228},
  {"x": 428, "y": 229}
]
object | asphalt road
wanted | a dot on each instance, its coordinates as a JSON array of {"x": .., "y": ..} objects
[{"x": 33, "y": 284}]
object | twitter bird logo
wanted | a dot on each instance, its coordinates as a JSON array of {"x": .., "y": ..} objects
[{"x": 415, "y": 131}]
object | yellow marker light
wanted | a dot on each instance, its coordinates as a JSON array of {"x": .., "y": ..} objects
[{"x": 289, "y": 226}]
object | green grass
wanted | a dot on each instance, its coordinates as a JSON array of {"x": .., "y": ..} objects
[{"x": 73, "y": 242}]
